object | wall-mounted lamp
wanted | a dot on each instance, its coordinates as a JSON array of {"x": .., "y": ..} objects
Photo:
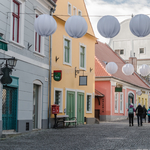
[{"x": 56, "y": 58}]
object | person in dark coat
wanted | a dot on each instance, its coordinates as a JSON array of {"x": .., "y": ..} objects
[
  {"x": 131, "y": 111},
  {"x": 139, "y": 113},
  {"x": 144, "y": 113}
]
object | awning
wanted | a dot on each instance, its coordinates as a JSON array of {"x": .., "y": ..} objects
[
  {"x": 99, "y": 94},
  {"x": 3, "y": 44}
]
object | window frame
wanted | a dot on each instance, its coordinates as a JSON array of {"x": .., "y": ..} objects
[
  {"x": 61, "y": 101},
  {"x": 70, "y": 50},
  {"x": 90, "y": 111},
  {"x": 69, "y": 4},
  {"x": 144, "y": 50},
  {"x": 121, "y": 111},
  {"x": 74, "y": 8},
  {"x": 80, "y": 12},
  {"x": 120, "y": 51},
  {"x": 82, "y": 45},
  {"x": 20, "y": 43},
  {"x": 116, "y": 111}
]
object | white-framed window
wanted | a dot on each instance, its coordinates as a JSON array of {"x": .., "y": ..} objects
[
  {"x": 74, "y": 11},
  {"x": 82, "y": 57},
  {"x": 88, "y": 103},
  {"x": 120, "y": 51},
  {"x": 58, "y": 98},
  {"x": 69, "y": 9},
  {"x": 67, "y": 51},
  {"x": 17, "y": 23},
  {"x": 121, "y": 102},
  {"x": 141, "y": 50},
  {"x": 38, "y": 40},
  {"x": 116, "y": 102},
  {"x": 79, "y": 13}
]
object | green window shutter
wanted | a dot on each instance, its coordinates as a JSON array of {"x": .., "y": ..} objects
[
  {"x": 67, "y": 51},
  {"x": 3, "y": 44},
  {"x": 82, "y": 56}
]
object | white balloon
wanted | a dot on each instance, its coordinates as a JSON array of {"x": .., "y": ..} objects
[
  {"x": 128, "y": 69},
  {"x": 144, "y": 70},
  {"x": 140, "y": 25},
  {"x": 45, "y": 25},
  {"x": 108, "y": 26},
  {"x": 76, "y": 26},
  {"x": 111, "y": 67}
]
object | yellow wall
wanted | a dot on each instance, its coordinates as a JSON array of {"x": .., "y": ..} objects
[
  {"x": 143, "y": 100},
  {"x": 68, "y": 72}
]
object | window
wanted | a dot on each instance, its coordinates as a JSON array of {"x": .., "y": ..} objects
[
  {"x": 89, "y": 103},
  {"x": 58, "y": 98},
  {"x": 121, "y": 52},
  {"x": 121, "y": 102},
  {"x": 67, "y": 51},
  {"x": 82, "y": 56},
  {"x": 79, "y": 13},
  {"x": 74, "y": 11},
  {"x": 116, "y": 102},
  {"x": 16, "y": 20},
  {"x": 69, "y": 9},
  {"x": 141, "y": 51},
  {"x": 37, "y": 41}
]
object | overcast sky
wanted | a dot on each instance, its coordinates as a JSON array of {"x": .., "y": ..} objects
[{"x": 115, "y": 7}]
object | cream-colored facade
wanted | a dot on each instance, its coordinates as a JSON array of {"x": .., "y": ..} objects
[{"x": 71, "y": 97}]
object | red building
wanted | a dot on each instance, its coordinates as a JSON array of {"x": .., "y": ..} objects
[{"x": 115, "y": 92}]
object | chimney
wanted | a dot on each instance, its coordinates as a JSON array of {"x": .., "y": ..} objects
[{"x": 133, "y": 61}]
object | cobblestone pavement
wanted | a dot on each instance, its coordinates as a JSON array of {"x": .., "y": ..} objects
[{"x": 106, "y": 135}]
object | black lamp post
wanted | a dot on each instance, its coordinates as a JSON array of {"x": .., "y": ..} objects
[{"x": 7, "y": 69}]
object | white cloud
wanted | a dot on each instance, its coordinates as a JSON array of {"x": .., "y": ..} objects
[{"x": 122, "y": 9}]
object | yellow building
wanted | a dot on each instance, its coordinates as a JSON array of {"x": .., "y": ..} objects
[
  {"x": 143, "y": 99},
  {"x": 74, "y": 100}
]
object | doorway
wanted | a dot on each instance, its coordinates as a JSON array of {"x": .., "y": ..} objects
[
  {"x": 130, "y": 99},
  {"x": 9, "y": 108}
]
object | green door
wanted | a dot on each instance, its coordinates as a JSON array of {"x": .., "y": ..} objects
[
  {"x": 80, "y": 108},
  {"x": 70, "y": 110},
  {"x": 9, "y": 108}
]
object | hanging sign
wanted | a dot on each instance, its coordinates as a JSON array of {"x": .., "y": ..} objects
[
  {"x": 82, "y": 80},
  {"x": 57, "y": 75}
]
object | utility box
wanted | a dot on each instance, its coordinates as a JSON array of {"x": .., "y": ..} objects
[{"x": 55, "y": 109}]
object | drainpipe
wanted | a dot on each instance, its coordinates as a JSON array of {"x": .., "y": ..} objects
[{"x": 50, "y": 73}]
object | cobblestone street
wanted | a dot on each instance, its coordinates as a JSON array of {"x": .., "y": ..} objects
[{"x": 106, "y": 135}]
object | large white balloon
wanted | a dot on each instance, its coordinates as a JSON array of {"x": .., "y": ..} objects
[
  {"x": 45, "y": 25},
  {"x": 108, "y": 26},
  {"x": 140, "y": 25},
  {"x": 144, "y": 70},
  {"x": 128, "y": 69},
  {"x": 139, "y": 93},
  {"x": 76, "y": 26},
  {"x": 111, "y": 67}
]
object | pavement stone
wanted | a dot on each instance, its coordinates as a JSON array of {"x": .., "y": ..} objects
[{"x": 116, "y": 135}]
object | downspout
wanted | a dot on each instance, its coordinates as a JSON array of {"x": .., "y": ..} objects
[{"x": 50, "y": 73}]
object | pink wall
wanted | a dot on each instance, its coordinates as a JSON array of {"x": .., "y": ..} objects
[{"x": 106, "y": 104}]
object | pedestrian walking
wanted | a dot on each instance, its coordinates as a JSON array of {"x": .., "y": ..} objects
[
  {"x": 139, "y": 113},
  {"x": 144, "y": 113},
  {"x": 131, "y": 111},
  {"x": 148, "y": 114}
]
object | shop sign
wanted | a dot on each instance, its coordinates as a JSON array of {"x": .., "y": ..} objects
[{"x": 57, "y": 75}]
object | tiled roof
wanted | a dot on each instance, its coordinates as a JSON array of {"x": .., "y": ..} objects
[
  {"x": 104, "y": 53},
  {"x": 97, "y": 93}
]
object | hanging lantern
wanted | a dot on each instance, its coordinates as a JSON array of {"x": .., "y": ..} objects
[
  {"x": 139, "y": 93},
  {"x": 76, "y": 26},
  {"x": 108, "y": 26},
  {"x": 140, "y": 25},
  {"x": 111, "y": 67},
  {"x": 128, "y": 69},
  {"x": 144, "y": 70},
  {"x": 45, "y": 25}
]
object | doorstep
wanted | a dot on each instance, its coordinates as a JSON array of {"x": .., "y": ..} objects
[{"x": 9, "y": 133}]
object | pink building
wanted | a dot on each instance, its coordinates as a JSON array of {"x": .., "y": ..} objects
[{"x": 114, "y": 92}]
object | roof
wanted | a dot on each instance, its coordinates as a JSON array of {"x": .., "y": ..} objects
[
  {"x": 97, "y": 93},
  {"x": 55, "y": 1},
  {"x": 104, "y": 53}
]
